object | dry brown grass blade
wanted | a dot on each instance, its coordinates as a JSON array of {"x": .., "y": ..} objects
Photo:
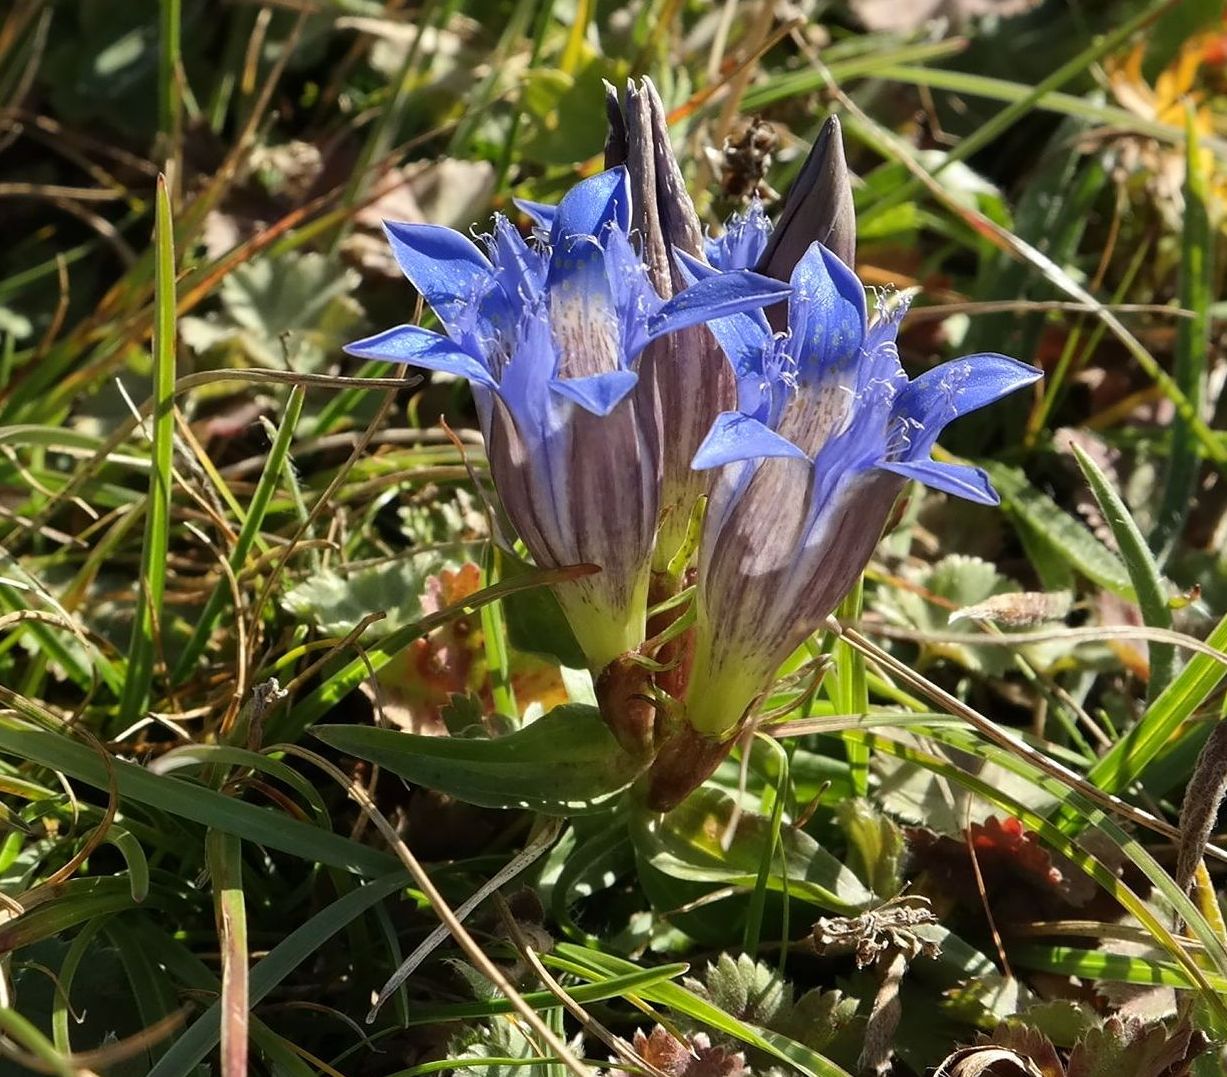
[
  {"x": 101, "y": 1058},
  {"x": 325, "y": 498},
  {"x": 531, "y": 852},
  {"x": 1022, "y": 251},
  {"x": 1062, "y": 634},
  {"x": 51, "y": 191},
  {"x": 125, "y": 429},
  {"x": 627, "y": 1055},
  {"x": 49, "y": 887}
]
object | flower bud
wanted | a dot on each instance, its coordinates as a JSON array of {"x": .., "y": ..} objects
[{"x": 685, "y": 380}]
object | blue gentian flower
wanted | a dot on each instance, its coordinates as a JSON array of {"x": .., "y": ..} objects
[
  {"x": 549, "y": 335},
  {"x": 827, "y": 430},
  {"x": 743, "y": 241}
]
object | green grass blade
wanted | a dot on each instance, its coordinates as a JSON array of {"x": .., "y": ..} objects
[
  {"x": 78, "y": 901},
  {"x": 1012, "y": 113},
  {"x": 53, "y": 641},
  {"x": 289, "y": 726},
  {"x": 61, "y": 1001},
  {"x": 1054, "y": 528},
  {"x": 891, "y": 146},
  {"x": 152, "y": 583},
  {"x": 152, "y": 991},
  {"x": 187, "y": 800},
  {"x": 494, "y": 638},
  {"x": 27, "y": 1036},
  {"x": 170, "y": 96},
  {"x": 1125, "y": 761},
  {"x": 344, "y": 403},
  {"x": 606, "y": 987},
  {"x": 758, "y": 898},
  {"x": 1097, "y": 966},
  {"x": 1141, "y": 567},
  {"x": 1192, "y": 348},
  {"x": 590, "y": 964},
  {"x": 133, "y": 853},
  {"x": 995, "y": 89},
  {"x": 1092, "y": 865},
  {"x": 852, "y": 688},
  {"x": 868, "y": 64},
  {"x": 192, "y": 1047},
  {"x": 277, "y": 461},
  {"x": 218, "y": 755}
]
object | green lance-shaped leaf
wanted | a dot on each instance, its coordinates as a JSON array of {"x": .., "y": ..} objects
[
  {"x": 565, "y": 763},
  {"x": 1140, "y": 565}
]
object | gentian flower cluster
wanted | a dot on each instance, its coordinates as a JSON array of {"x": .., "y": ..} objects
[
  {"x": 624, "y": 367},
  {"x": 549, "y": 335}
]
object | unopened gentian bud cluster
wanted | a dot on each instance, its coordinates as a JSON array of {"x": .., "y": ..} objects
[{"x": 626, "y": 369}]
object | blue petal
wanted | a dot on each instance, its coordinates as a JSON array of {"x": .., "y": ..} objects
[
  {"x": 942, "y": 394},
  {"x": 589, "y": 206},
  {"x": 520, "y": 273},
  {"x": 826, "y": 313},
  {"x": 529, "y": 368},
  {"x": 960, "y": 480},
  {"x": 420, "y": 347},
  {"x": 717, "y": 296},
  {"x": 541, "y": 212},
  {"x": 742, "y": 336},
  {"x": 626, "y": 283},
  {"x": 735, "y": 437},
  {"x": 960, "y": 386},
  {"x": 692, "y": 268},
  {"x": 598, "y": 393},
  {"x": 445, "y": 266},
  {"x": 743, "y": 241}
]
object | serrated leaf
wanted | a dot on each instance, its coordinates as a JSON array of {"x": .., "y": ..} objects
[
  {"x": 1051, "y": 526},
  {"x": 1140, "y": 564},
  {"x": 1127, "y": 1047},
  {"x": 875, "y": 846},
  {"x": 747, "y": 989},
  {"x": 817, "y": 1017},
  {"x": 803, "y": 1059},
  {"x": 336, "y": 603},
  {"x": 987, "y": 999},
  {"x": 565, "y": 763},
  {"x": 1063, "y": 1021},
  {"x": 954, "y": 582},
  {"x": 304, "y": 297}
]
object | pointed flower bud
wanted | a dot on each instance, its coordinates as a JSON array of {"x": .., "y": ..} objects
[
  {"x": 818, "y": 208},
  {"x": 685, "y": 381},
  {"x": 550, "y": 335},
  {"x": 827, "y": 429}
]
